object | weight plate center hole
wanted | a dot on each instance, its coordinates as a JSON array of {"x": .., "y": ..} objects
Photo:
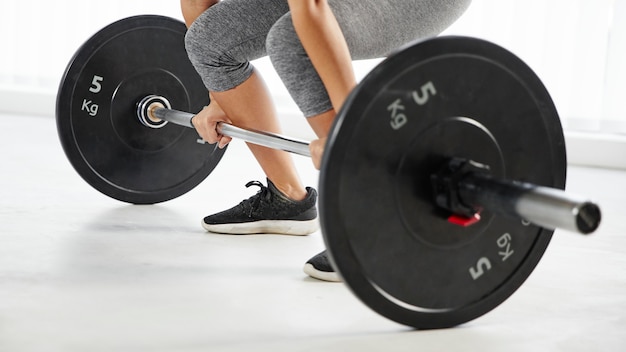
[{"x": 429, "y": 151}]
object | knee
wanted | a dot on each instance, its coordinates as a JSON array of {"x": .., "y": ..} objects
[
  {"x": 282, "y": 40},
  {"x": 212, "y": 50},
  {"x": 199, "y": 41}
]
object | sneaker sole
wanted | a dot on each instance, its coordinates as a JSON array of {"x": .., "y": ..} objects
[
  {"x": 281, "y": 227},
  {"x": 321, "y": 275}
]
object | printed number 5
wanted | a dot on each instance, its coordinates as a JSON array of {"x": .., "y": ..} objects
[
  {"x": 483, "y": 265},
  {"x": 428, "y": 90},
  {"x": 96, "y": 87}
]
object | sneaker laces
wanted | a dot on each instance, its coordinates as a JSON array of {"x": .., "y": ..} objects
[{"x": 254, "y": 201}]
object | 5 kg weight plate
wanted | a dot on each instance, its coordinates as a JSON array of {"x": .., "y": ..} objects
[
  {"x": 97, "y": 120},
  {"x": 438, "y": 99}
]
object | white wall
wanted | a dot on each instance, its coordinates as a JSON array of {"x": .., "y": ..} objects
[
  {"x": 577, "y": 47},
  {"x": 573, "y": 45}
]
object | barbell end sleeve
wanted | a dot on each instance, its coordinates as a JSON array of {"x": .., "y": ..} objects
[
  {"x": 555, "y": 209},
  {"x": 155, "y": 111},
  {"x": 547, "y": 207}
]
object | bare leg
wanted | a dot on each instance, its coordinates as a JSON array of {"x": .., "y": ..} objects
[
  {"x": 322, "y": 123},
  {"x": 249, "y": 105}
]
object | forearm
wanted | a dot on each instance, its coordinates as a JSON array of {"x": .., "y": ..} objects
[
  {"x": 193, "y": 8},
  {"x": 325, "y": 45}
]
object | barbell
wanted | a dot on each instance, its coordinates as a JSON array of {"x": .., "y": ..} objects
[{"x": 441, "y": 184}]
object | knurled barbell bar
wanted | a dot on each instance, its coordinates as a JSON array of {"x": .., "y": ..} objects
[
  {"x": 440, "y": 187},
  {"x": 463, "y": 187}
]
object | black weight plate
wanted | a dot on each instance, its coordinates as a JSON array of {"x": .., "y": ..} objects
[
  {"x": 96, "y": 112},
  {"x": 433, "y": 100}
]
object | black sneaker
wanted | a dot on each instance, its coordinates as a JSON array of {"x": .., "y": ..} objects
[
  {"x": 319, "y": 267},
  {"x": 268, "y": 211}
]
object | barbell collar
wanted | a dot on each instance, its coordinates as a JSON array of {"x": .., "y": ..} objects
[{"x": 547, "y": 207}]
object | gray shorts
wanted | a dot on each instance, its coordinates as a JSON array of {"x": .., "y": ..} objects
[{"x": 223, "y": 40}]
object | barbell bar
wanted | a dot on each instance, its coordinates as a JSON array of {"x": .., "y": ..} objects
[{"x": 543, "y": 206}]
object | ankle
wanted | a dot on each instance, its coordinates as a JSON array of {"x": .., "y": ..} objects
[{"x": 295, "y": 193}]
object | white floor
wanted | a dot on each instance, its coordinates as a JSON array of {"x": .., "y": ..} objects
[{"x": 82, "y": 272}]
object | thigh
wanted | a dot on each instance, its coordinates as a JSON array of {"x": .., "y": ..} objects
[
  {"x": 374, "y": 28},
  {"x": 236, "y": 29}
]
